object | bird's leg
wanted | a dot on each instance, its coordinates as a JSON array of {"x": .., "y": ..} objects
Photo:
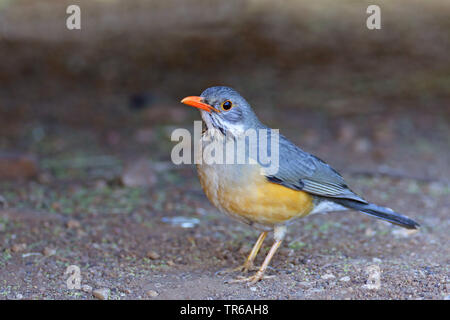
[
  {"x": 248, "y": 264},
  {"x": 279, "y": 233}
]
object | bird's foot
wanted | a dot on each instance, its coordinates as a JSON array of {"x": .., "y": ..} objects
[
  {"x": 242, "y": 268},
  {"x": 252, "y": 279}
]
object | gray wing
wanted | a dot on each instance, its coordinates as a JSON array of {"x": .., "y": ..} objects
[{"x": 300, "y": 170}]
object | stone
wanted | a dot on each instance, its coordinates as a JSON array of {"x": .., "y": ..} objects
[
  {"x": 152, "y": 293},
  {"x": 170, "y": 263},
  {"x": 102, "y": 294},
  {"x": 153, "y": 255},
  {"x": 18, "y": 247},
  {"x": 73, "y": 224},
  {"x": 328, "y": 276},
  {"x": 49, "y": 251}
]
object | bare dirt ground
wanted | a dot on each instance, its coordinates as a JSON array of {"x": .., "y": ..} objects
[
  {"x": 116, "y": 235},
  {"x": 376, "y": 107}
]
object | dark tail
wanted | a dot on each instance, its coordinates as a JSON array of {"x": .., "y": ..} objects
[{"x": 380, "y": 213}]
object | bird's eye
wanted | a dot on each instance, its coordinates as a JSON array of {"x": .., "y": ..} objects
[{"x": 227, "y": 105}]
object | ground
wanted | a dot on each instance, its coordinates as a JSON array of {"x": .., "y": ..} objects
[
  {"x": 88, "y": 105},
  {"x": 117, "y": 237}
]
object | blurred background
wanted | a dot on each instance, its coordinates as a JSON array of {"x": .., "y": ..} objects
[
  {"x": 86, "y": 115},
  {"x": 311, "y": 65}
]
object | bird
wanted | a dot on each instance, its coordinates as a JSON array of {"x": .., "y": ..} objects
[{"x": 303, "y": 184}]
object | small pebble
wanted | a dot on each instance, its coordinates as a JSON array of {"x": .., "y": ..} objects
[
  {"x": 253, "y": 289},
  {"x": 153, "y": 255},
  {"x": 19, "y": 296},
  {"x": 152, "y": 293},
  {"x": 49, "y": 251},
  {"x": 101, "y": 294},
  {"x": 328, "y": 276},
  {"x": 170, "y": 263},
  {"x": 73, "y": 224},
  {"x": 18, "y": 247},
  {"x": 345, "y": 279},
  {"x": 86, "y": 288},
  {"x": 376, "y": 260}
]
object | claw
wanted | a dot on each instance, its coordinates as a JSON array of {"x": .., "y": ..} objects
[
  {"x": 252, "y": 279},
  {"x": 260, "y": 274},
  {"x": 248, "y": 265},
  {"x": 279, "y": 235},
  {"x": 243, "y": 268}
]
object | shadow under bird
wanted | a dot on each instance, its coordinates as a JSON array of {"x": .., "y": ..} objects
[{"x": 303, "y": 184}]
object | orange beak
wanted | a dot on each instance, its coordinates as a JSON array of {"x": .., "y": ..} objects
[{"x": 197, "y": 102}]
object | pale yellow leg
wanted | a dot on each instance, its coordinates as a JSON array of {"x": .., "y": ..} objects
[
  {"x": 280, "y": 232},
  {"x": 248, "y": 264}
]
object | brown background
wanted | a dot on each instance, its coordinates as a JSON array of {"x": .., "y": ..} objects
[{"x": 77, "y": 108}]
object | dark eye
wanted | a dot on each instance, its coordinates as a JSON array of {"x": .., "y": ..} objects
[{"x": 227, "y": 105}]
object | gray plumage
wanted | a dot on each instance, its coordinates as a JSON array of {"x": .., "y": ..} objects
[
  {"x": 302, "y": 171},
  {"x": 298, "y": 169}
]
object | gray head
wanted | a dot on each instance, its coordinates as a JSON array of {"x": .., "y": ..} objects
[{"x": 223, "y": 108}]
